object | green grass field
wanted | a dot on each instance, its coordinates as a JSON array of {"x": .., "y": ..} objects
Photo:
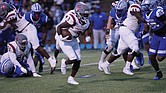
[{"x": 116, "y": 82}]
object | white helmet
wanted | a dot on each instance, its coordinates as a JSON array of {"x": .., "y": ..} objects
[
  {"x": 82, "y": 10},
  {"x": 121, "y": 8},
  {"x": 6, "y": 67},
  {"x": 36, "y": 11},
  {"x": 149, "y": 4},
  {"x": 36, "y": 7},
  {"x": 21, "y": 41}
]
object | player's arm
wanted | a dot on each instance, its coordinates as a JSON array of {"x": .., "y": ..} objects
[
  {"x": 69, "y": 22},
  {"x": 12, "y": 55},
  {"x": 146, "y": 29},
  {"x": 161, "y": 16}
]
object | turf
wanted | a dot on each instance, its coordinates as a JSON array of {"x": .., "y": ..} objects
[{"x": 91, "y": 80}]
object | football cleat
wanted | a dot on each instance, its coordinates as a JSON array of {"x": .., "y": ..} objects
[
  {"x": 72, "y": 81},
  {"x": 99, "y": 66},
  {"x": 63, "y": 66},
  {"x": 158, "y": 76},
  {"x": 127, "y": 71},
  {"x": 140, "y": 59},
  {"x": 106, "y": 68}
]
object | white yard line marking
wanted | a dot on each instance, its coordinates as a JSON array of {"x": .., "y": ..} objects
[{"x": 95, "y": 63}]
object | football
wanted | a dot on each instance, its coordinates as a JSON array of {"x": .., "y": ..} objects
[{"x": 65, "y": 33}]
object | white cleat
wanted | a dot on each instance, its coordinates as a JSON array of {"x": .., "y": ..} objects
[
  {"x": 63, "y": 66},
  {"x": 136, "y": 67},
  {"x": 72, "y": 81},
  {"x": 52, "y": 62},
  {"x": 106, "y": 68},
  {"x": 127, "y": 71},
  {"x": 99, "y": 66}
]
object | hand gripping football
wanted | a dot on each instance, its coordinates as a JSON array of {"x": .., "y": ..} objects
[{"x": 65, "y": 33}]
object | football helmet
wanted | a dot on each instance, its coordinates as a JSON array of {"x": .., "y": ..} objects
[
  {"x": 36, "y": 11},
  {"x": 148, "y": 5},
  {"x": 145, "y": 6},
  {"x": 82, "y": 11},
  {"x": 121, "y": 8},
  {"x": 4, "y": 9},
  {"x": 21, "y": 41},
  {"x": 6, "y": 67}
]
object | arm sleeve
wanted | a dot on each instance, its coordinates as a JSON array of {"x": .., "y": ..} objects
[
  {"x": 13, "y": 59},
  {"x": 31, "y": 64}
]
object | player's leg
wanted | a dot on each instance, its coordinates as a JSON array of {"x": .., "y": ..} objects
[
  {"x": 31, "y": 34},
  {"x": 111, "y": 41},
  {"x": 159, "y": 45}
]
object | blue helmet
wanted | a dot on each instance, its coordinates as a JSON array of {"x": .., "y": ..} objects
[
  {"x": 36, "y": 11},
  {"x": 149, "y": 5},
  {"x": 121, "y": 8},
  {"x": 6, "y": 67}
]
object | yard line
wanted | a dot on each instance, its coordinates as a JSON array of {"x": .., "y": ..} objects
[{"x": 95, "y": 63}]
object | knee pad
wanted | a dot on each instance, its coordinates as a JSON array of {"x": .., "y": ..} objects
[
  {"x": 76, "y": 65},
  {"x": 108, "y": 49},
  {"x": 115, "y": 53}
]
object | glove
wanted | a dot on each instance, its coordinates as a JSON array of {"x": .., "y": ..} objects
[
  {"x": 23, "y": 70},
  {"x": 36, "y": 75},
  {"x": 11, "y": 15},
  {"x": 64, "y": 38}
]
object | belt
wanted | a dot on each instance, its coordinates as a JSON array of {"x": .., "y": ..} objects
[{"x": 23, "y": 28}]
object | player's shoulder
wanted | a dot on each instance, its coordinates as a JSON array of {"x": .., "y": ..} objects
[
  {"x": 70, "y": 17},
  {"x": 159, "y": 11},
  {"x": 136, "y": 7},
  {"x": 12, "y": 46}
]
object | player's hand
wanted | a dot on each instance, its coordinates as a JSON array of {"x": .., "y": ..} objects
[
  {"x": 64, "y": 38},
  {"x": 107, "y": 36},
  {"x": 23, "y": 70},
  {"x": 11, "y": 16},
  {"x": 36, "y": 75}
]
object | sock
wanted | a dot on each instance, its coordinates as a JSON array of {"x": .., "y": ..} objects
[
  {"x": 128, "y": 65},
  {"x": 103, "y": 56}
]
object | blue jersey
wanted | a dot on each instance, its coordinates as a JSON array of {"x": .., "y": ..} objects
[
  {"x": 38, "y": 24},
  {"x": 153, "y": 21},
  {"x": 98, "y": 20},
  {"x": 117, "y": 19}
]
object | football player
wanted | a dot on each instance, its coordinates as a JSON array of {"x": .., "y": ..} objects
[
  {"x": 18, "y": 60},
  {"x": 127, "y": 39},
  {"x": 156, "y": 20},
  {"x": 39, "y": 20},
  {"x": 10, "y": 17},
  {"x": 76, "y": 21}
]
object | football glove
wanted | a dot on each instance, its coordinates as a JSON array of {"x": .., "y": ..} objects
[
  {"x": 23, "y": 70},
  {"x": 64, "y": 38},
  {"x": 36, "y": 75}
]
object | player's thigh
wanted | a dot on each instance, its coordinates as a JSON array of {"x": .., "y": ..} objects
[
  {"x": 68, "y": 50},
  {"x": 77, "y": 50},
  {"x": 122, "y": 46},
  {"x": 31, "y": 34}
]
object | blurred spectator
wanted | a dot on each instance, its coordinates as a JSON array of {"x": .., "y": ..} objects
[
  {"x": 98, "y": 24},
  {"x": 49, "y": 26},
  {"x": 57, "y": 13}
]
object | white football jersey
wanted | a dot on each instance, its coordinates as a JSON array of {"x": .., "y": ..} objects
[
  {"x": 78, "y": 26},
  {"x": 21, "y": 22},
  {"x": 21, "y": 55},
  {"x": 131, "y": 21}
]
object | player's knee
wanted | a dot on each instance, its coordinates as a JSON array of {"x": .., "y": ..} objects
[
  {"x": 134, "y": 51},
  {"x": 76, "y": 65},
  {"x": 160, "y": 58},
  {"x": 71, "y": 61}
]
